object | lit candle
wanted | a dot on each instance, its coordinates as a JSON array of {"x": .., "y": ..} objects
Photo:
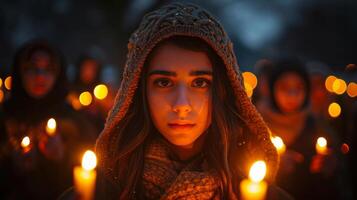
[
  {"x": 255, "y": 187},
  {"x": 25, "y": 144},
  {"x": 51, "y": 127},
  {"x": 279, "y": 144},
  {"x": 84, "y": 176},
  {"x": 321, "y": 146}
]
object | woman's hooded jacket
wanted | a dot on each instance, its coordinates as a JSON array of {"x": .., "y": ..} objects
[{"x": 182, "y": 20}]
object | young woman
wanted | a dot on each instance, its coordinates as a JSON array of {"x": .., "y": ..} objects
[
  {"x": 182, "y": 126},
  {"x": 44, "y": 168}
]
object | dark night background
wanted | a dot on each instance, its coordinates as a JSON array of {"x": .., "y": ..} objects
[{"x": 320, "y": 31}]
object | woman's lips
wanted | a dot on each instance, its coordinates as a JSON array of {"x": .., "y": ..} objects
[{"x": 181, "y": 126}]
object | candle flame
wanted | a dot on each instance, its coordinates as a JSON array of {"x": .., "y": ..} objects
[
  {"x": 100, "y": 91},
  {"x": 51, "y": 126},
  {"x": 89, "y": 160},
  {"x": 322, "y": 142},
  {"x": 25, "y": 142},
  {"x": 51, "y": 123},
  {"x": 258, "y": 171},
  {"x": 278, "y": 143}
]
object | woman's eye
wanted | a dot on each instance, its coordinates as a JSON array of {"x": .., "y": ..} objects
[
  {"x": 163, "y": 82},
  {"x": 201, "y": 83}
]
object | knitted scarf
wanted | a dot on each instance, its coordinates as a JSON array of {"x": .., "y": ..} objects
[{"x": 165, "y": 177}]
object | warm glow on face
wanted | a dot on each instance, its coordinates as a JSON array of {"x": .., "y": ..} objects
[
  {"x": 250, "y": 78},
  {"x": 85, "y": 98},
  {"x": 257, "y": 171},
  {"x": 100, "y": 91},
  {"x": 322, "y": 142},
  {"x": 329, "y": 82},
  {"x": 339, "y": 86},
  {"x": 352, "y": 89},
  {"x": 89, "y": 160},
  {"x": 7, "y": 82},
  {"x": 334, "y": 109},
  {"x": 178, "y": 89},
  {"x": 25, "y": 142}
]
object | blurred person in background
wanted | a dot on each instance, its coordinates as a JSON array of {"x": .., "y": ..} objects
[
  {"x": 88, "y": 73},
  {"x": 36, "y": 163},
  {"x": 88, "y": 76},
  {"x": 303, "y": 173},
  {"x": 263, "y": 68}
]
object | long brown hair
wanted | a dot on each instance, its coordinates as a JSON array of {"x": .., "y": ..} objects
[{"x": 224, "y": 143}]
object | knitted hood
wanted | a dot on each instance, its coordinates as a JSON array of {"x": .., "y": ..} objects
[{"x": 182, "y": 20}]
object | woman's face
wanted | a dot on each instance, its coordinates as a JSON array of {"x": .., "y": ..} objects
[
  {"x": 179, "y": 93},
  {"x": 38, "y": 79},
  {"x": 289, "y": 92}
]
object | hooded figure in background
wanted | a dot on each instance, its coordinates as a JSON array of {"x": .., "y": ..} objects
[
  {"x": 303, "y": 172},
  {"x": 35, "y": 160},
  {"x": 182, "y": 126}
]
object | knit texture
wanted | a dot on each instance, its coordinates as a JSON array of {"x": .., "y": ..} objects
[
  {"x": 183, "y": 20},
  {"x": 167, "y": 178}
]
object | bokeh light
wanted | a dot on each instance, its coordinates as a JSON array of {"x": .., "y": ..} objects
[
  {"x": 0, "y": 82},
  {"x": 329, "y": 82},
  {"x": 339, "y": 86},
  {"x": 248, "y": 89},
  {"x": 334, "y": 109},
  {"x": 100, "y": 91},
  {"x": 85, "y": 98},
  {"x": 1, "y": 96},
  {"x": 7, "y": 82},
  {"x": 345, "y": 148},
  {"x": 352, "y": 89},
  {"x": 250, "y": 78}
]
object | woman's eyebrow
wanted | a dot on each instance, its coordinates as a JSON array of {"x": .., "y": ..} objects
[
  {"x": 200, "y": 73},
  {"x": 170, "y": 73},
  {"x": 162, "y": 72}
]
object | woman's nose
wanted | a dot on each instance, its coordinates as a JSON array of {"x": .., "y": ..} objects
[{"x": 182, "y": 103}]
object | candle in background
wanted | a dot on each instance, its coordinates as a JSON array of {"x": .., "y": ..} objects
[
  {"x": 84, "y": 176},
  {"x": 321, "y": 146},
  {"x": 255, "y": 187},
  {"x": 279, "y": 144},
  {"x": 25, "y": 144},
  {"x": 51, "y": 127}
]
